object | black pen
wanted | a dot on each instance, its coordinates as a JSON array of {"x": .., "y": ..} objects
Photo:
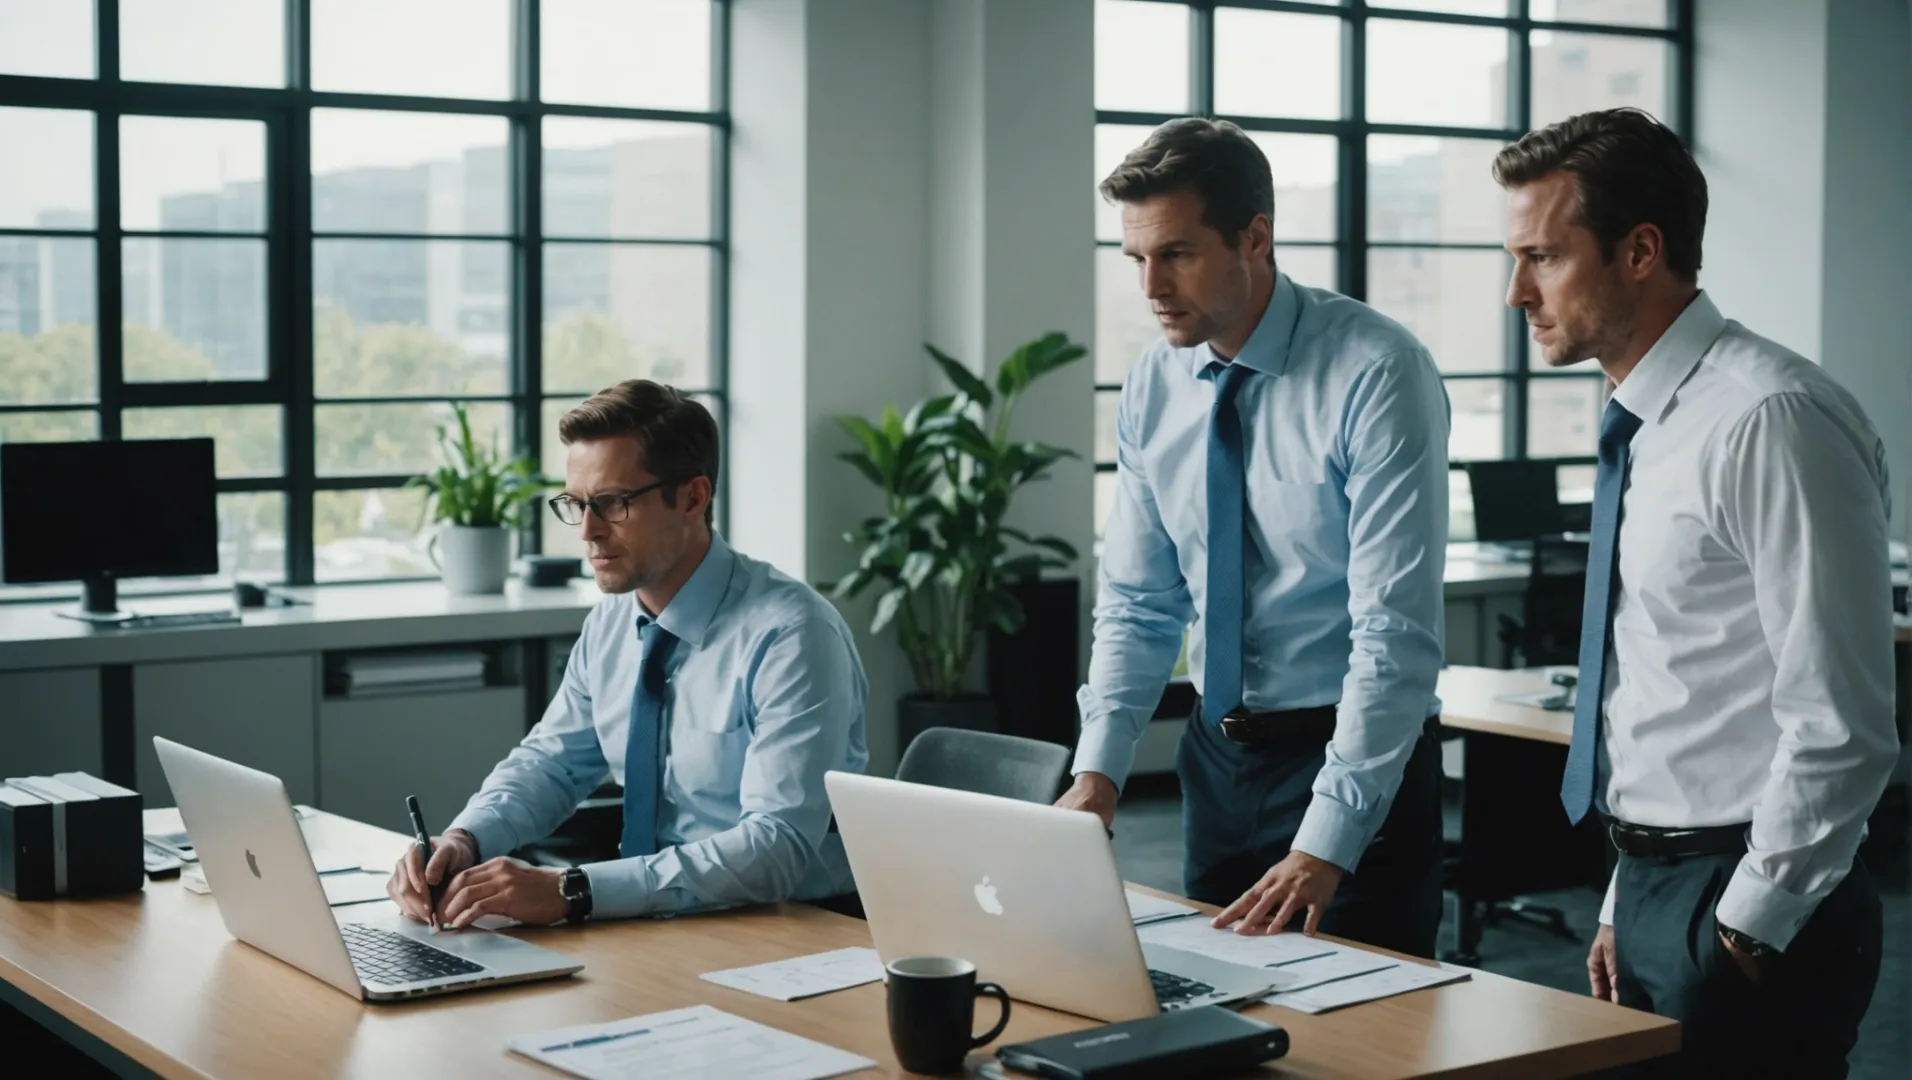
[{"x": 423, "y": 841}]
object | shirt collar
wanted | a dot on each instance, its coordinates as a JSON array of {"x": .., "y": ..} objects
[
  {"x": 1266, "y": 350},
  {"x": 689, "y": 613},
  {"x": 1648, "y": 388}
]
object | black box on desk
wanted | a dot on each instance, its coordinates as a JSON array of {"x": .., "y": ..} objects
[{"x": 69, "y": 834}]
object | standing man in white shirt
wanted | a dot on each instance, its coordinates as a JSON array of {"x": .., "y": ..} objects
[{"x": 1734, "y": 722}]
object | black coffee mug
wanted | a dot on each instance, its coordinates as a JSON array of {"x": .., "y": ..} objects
[{"x": 933, "y": 1011}]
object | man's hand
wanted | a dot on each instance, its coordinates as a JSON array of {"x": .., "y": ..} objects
[
  {"x": 1296, "y": 882},
  {"x": 1603, "y": 969},
  {"x": 1093, "y": 792},
  {"x": 411, "y": 883},
  {"x": 1754, "y": 967},
  {"x": 508, "y": 887}
]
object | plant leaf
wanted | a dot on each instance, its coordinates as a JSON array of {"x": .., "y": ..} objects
[{"x": 961, "y": 377}]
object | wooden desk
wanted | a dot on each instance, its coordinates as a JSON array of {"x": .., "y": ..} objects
[
  {"x": 155, "y": 978},
  {"x": 1515, "y": 838}
]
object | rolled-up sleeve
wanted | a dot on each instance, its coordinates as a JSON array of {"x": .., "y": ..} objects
[
  {"x": 1395, "y": 430},
  {"x": 539, "y": 784},
  {"x": 806, "y": 694},
  {"x": 1142, "y": 609},
  {"x": 1803, "y": 500}
]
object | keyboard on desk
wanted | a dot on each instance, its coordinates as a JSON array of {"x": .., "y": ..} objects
[
  {"x": 381, "y": 956},
  {"x": 1173, "y": 989}
]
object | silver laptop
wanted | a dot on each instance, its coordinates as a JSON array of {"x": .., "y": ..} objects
[
  {"x": 1027, "y": 892},
  {"x": 261, "y": 873}
]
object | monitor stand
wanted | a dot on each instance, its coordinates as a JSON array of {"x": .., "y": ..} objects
[{"x": 99, "y": 604}]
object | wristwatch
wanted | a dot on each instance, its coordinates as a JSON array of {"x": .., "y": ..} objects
[
  {"x": 1747, "y": 944},
  {"x": 575, "y": 886}
]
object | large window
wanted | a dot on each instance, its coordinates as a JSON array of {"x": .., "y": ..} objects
[
  {"x": 306, "y": 227},
  {"x": 1380, "y": 122}
]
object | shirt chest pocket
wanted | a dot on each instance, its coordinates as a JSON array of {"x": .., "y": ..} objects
[{"x": 707, "y": 742}]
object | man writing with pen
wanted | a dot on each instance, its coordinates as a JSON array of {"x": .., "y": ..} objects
[{"x": 717, "y": 690}]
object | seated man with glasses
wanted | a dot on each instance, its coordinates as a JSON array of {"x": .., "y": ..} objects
[{"x": 717, "y": 690}]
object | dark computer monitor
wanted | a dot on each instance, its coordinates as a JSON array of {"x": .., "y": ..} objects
[
  {"x": 1515, "y": 501},
  {"x": 95, "y": 512}
]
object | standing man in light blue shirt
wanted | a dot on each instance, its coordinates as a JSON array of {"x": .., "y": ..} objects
[
  {"x": 1282, "y": 498},
  {"x": 715, "y": 689}
]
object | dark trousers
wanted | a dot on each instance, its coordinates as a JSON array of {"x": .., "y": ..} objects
[
  {"x": 1241, "y": 808},
  {"x": 1801, "y": 1021}
]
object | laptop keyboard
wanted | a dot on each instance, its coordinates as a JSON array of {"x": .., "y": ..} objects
[
  {"x": 382, "y": 956},
  {"x": 1173, "y": 989}
]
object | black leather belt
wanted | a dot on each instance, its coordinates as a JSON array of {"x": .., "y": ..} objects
[
  {"x": 1314, "y": 724},
  {"x": 1647, "y": 842}
]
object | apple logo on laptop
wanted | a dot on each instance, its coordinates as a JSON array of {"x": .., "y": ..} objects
[
  {"x": 254, "y": 864},
  {"x": 986, "y": 897}
]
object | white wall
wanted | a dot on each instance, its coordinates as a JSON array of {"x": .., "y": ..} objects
[
  {"x": 1803, "y": 116},
  {"x": 904, "y": 171}
]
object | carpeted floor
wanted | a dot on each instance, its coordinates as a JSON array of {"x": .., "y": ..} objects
[{"x": 1148, "y": 846}]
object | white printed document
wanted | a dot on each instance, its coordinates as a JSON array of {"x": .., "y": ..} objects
[
  {"x": 804, "y": 976},
  {"x": 1145, "y": 909},
  {"x": 1387, "y": 982},
  {"x": 698, "y": 1043}
]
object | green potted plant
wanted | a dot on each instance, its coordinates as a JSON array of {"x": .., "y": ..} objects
[
  {"x": 940, "y": 554},
  {"x": 477, "y": 498}
]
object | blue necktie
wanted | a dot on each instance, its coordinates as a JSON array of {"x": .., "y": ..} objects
[
  {"x": 1596, "y": 619},
  {"x": 1223, "y": 602},
  {"x": 642, "y": 770}
]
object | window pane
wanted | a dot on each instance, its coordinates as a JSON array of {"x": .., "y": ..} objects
[
  {"x": 410, "y": 317},
  {"x": 46, "y": 39},
  {"x": 1104, "y": 500},
  {"x": 47, "y": 312},
  {"x": 1433, "y": 190},
  {"x": 228, "y": 42},
  {"x": 57, "y": 192},
  {"x": 1305, "y": 168},
  {"x": 1124, "y": 323},
  {"x": 1141, "y": 56},
  {"x": 1105, "y": 405},
  {"x": 408, "y": 172},
  {"x": 1576, "y": 73},
  {"x": 252, "y": 535},
  {"x": 1450, "y": 299},
  {"x": 1275, "y": 64},
  {"x": 432, "y": 48},
  {"x": 557, "y": 538},
  {"x": 1616, "y": 12},
  {"x": 74, "y": 426},
  {"x": 194, "y": 309},
  {"x": 369, "y": 534},
  {"x": 379, "y": 440},
  {"x": 1458, "y": 7},
  {"x": 1316, "y": 266},
  {"x": 192, "y": 174},
  {"x": 1563, "y": 417},
  {"x": 1430, "y": 73},
  {"x": 1575, "y": 483},
  {"x": 1460, "y": 506},
  {"x": 624, "y": 311},
  {"x": 1112, "y": 144},
  {"x": 248, "y": 439},
  {"x": 650, "y": 54},
  {"x": 626, "y": 178},
  {"x": 1477, "y": 431}
]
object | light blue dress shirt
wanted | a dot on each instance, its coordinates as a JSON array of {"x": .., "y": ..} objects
[
  {"x": 1345, "y": 438},
  {"x": 765, "y": 695}
]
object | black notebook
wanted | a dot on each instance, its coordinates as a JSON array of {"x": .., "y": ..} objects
[{"x": 1189, "y": 1042}]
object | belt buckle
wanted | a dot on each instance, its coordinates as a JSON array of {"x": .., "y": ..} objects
[{"x": 1236, "y": 726}]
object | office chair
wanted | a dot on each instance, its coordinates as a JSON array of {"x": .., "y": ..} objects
[
  {"x": 591, "y": 834},
  {"x": 981, "y": 761},
  {"x": 1548, "y": 631}
]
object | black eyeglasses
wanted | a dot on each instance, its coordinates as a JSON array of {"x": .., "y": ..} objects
[{"x": 612, "y": 507}]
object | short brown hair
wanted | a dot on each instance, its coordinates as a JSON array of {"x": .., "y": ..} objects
[
  {"x": 1213, "y": 158},
  {"x": 1630, "y": 170},
  {"x": 678, "y": 435}
]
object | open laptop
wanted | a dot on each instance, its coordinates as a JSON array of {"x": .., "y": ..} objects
[
  {"x": 242, "y": 823},
  {"x": 1027, "y": 892}
]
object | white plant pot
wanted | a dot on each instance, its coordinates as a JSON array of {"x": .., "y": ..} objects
[{"x": 473, "y": 559}]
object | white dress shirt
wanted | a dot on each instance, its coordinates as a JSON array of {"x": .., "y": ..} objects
[{"x": 1751, "y": 675}]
